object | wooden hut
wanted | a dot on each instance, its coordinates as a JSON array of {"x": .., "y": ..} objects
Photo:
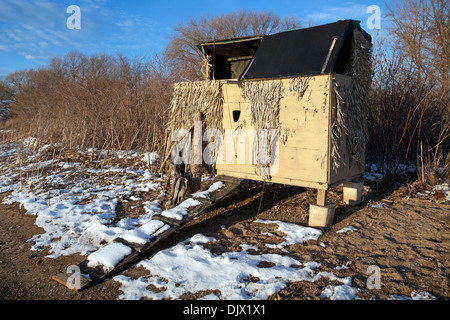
[{"x": 290, "y": 107}]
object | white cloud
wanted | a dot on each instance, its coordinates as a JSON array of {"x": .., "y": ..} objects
[
  {"x": 33, "y": 31},
  {"x": 37, "y": 29},
  {"x": 347, "y": 10}
]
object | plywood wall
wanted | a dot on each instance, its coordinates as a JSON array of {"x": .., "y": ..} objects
[{"x": 303, "y": 156}]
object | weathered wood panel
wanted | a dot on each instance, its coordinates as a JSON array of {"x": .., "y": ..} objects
[
  {"x": 303, "y": 137},
  {"x": 345, "y": 171}
]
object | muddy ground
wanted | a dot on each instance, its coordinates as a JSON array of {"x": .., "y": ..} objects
[{"x": 406, "y": 237}]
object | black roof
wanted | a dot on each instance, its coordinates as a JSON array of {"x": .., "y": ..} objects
[
  {"x": 302, "y": 52},
  {"x": 309, "y": 51}
]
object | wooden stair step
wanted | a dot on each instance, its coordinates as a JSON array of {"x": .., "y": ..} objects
[
  {"x": 135, "y": 246},
  {"x": 67, "y": 280},
  {"x": 228, "y": 179},
  {"x": 202, "y": 200},
  {"x": 171, "y": 221}
]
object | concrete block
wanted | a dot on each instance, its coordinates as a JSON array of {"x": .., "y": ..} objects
[
  {"x": 353, "y": 192},
  {"x": 321, "y": 216}
]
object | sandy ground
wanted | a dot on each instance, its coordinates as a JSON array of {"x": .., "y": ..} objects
[{"x": 408, "y": 239}]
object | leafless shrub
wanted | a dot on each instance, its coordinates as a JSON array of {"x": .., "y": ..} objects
[
  {"x": 185, "y": 56},
  {"x": 104, "y": 101},
  {"x": 408, "y": 120}
]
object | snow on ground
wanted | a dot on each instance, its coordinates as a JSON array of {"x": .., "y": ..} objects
[
  {"x": 204, "y": 194},
  {"x": 445, "y": 190},
  {"x": 347, "y": 229},
  {"x": 294, "y": 233},
  {"x": 150, "y": 157},
  {"x": 109, "y": 256},
  {"x": 75, "y": 205},
  {"x": 374, "y": 173},
  {"x": 189, "y": 267},
  {"x": 72, "y": 204},
  {"x": 414, "y": 296}
]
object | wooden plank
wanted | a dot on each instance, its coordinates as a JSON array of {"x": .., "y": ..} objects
[
  {"x": 171, "y": 221},
  {"x": 332, "y": 116},
  {"x": 92, "y": 272},
  {"x": 65, "y": 279},
  {"x": 202, "y": 200},
  {"x": 136, "y": 255},
  {"x": 278, "y": 179},
  {"x": 322, "y": 197},
  {"x": 218, "y": 195},
  {"x": 196, "y": 155},
  {"x": 329, "y": 55},
  {"x": 227, "y": 179},
  {"x": 135, "y": 246},
  {"x": 239, "y": 58},
  {"x": 293, "y": 163}
]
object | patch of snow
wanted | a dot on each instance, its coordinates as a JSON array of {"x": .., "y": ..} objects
[
  {"x": 373, "y": 176},
  {"x": 76, "y": 210},
  {"x": 108, "y": 256},
  {"x": 150, "y": 157},
  {"x": 343, "y": 267},
  {"x": 190, "y": 267},
  {"x": 152, "y": 207},
  {"x": 414, "y": 296},
  {"x": 247, "y": 247},
  {"x": 205, "y": 194},
  {"x": 180, "y": 210},
  {"x": 445, "y": 190},
  {"x": 30, "y": 142},
  {"x": 339, "y": 292},
  {"x": 347, "y": 229},
  {"x": 294, "y": 233}
]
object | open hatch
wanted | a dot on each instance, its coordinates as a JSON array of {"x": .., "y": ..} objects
[{"x": 311, "y": 51}]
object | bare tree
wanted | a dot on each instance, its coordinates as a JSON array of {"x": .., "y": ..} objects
[
  {"x": 409, "y": 115},
  {"x": 182, "y": 50},
  {"x": 100, "y": 100},
  {"x": 439, "y": 43},
  {"x": 422, "y": 31},
  {"x": 6, "y": 95},
  {"x": 6, "y": 92}
]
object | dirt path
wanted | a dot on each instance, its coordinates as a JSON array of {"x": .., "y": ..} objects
[{"x": 408, "y": 240}]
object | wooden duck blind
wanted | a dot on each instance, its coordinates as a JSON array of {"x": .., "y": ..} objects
[{"x": 299, "y": 95}]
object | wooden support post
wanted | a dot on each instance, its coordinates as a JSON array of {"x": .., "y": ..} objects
[
  {"x": 322, "y": 197},
  {"x": 197, "y": 155},
  {"x": 329, "y": 55}
]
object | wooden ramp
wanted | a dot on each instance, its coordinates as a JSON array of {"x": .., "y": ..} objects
[{"x": 82, "y": 275}]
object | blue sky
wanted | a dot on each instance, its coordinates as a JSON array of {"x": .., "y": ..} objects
[{"x": 33, "y": 31}]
